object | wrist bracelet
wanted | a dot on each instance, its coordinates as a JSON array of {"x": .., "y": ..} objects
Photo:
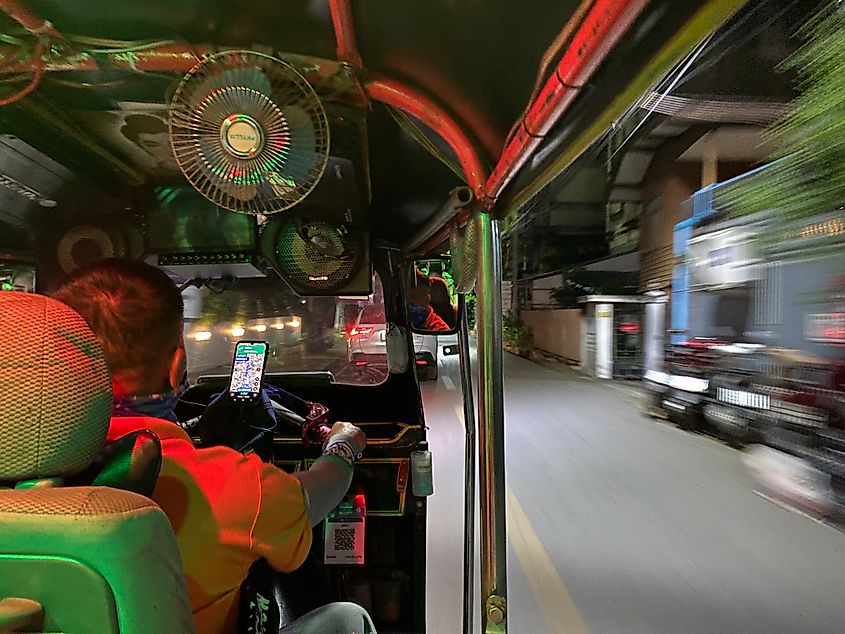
[{"x": 342, "y": 449}]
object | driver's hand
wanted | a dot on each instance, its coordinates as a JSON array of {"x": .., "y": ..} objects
[{"x": 353, "y": 435}]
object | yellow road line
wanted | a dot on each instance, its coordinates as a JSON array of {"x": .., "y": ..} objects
[{"x": 551, "y": 595}]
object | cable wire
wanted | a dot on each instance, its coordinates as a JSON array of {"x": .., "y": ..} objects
[{"x": 38, "y": 70}]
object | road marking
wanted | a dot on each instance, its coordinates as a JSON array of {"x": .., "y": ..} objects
[
  {"x": 450, "y": 385},
  {"x": 551, "y": 595}
]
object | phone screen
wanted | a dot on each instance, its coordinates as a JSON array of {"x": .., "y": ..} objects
[{"x": 248, "y": 370}]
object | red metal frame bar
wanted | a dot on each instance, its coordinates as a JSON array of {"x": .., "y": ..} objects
[
  {"x": 344, "y": 33},
  {"x": 396, "y": 94},
  {"x": 552, "y": 53},
  {"x": 416, "y": 104},
  {"x": 29, "y": 20},
  {"x": 602, "y": 28}
]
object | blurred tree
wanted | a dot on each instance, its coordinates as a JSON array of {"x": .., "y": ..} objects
[{"x": 809, "y": 177}]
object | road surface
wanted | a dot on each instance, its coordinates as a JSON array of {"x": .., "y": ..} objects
[{"x": 620, "y": 523}]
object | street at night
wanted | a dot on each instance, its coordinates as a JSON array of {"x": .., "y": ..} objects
[{"x": 621, "y": 523}]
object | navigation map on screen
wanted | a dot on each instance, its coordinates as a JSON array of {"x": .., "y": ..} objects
[{"x": 247, "y": 370}]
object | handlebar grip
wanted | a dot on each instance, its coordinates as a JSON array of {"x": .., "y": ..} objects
[{"x": 315, "y": 433}]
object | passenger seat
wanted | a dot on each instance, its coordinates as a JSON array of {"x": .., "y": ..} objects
[{"x": 75, "y": 559}]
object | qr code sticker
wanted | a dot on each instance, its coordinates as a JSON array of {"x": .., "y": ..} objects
[
  {"x": 344, "y": 539},
  {"x": 344, "y": 543}
]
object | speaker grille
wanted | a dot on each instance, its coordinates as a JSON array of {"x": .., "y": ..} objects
[
  {"x": 85, "y": 245},
  {"x": 319, "y": 256}
]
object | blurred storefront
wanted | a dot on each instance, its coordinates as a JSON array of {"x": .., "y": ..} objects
[{"x": 758, "y": 279}]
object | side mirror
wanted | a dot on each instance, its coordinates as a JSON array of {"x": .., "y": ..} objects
[{"x": 432, "y": 299}]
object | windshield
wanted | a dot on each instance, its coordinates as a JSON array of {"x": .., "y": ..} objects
[{"x": 313, "y": 334}]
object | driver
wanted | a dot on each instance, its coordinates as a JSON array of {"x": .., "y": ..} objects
[
  {"x": 227, "y": 509},
  {"x": 422, "y": 314}
]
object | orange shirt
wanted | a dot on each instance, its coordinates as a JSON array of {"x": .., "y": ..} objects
[
  {"x": 227, "y": 510},
  {"x": 434, "y": 322}
]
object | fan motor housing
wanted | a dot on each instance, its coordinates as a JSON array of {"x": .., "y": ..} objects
[{"x": 241, "y": 135}]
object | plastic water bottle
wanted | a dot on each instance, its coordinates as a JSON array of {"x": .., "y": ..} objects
[{"x": 421, "y": 477}]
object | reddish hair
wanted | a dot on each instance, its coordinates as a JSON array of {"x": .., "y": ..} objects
[{"x": 134, "y": 309}]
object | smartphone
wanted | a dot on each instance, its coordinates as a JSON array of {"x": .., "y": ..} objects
[{"x": 248, "y": 371}]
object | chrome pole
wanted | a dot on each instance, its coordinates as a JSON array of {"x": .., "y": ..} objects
[
  {"x": 469, "y": 467},
  {"x": 491, "y": 432}
]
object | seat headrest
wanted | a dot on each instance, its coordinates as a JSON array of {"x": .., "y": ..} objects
[{"x": 55, "y": 389}]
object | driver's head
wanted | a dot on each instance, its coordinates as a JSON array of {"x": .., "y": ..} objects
[
  {"x": 439, "y": 291},
  {"x": 420, "y": 294},
  {"x": 136, "y": 311}
]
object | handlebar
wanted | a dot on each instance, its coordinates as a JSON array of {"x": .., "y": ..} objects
[
  {"x": 314, "y": 427},
  {"x": 312, "y": 419}
]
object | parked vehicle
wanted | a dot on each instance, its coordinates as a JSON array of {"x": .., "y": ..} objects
[
  {"x": 735, "y": 400},
  {"x": 425, "y": 356},
  {"x": 801, "y": 422},
  {"x": 679, "y": 393}
]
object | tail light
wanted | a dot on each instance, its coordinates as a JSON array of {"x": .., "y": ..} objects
[{"x": 359, "y": 331}]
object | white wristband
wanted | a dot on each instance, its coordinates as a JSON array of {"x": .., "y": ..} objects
[{"x": 342, "y": 449}]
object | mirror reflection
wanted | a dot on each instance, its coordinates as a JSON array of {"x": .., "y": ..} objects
[{"x": 432, "y": 300}]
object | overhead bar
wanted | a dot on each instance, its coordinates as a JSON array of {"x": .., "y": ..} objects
[
  {"x": 459, "y": 199},
  {"x": 709, "y": 17},
  {"x": 344, "y": 33},
  {"x": 604, "y": 25}
]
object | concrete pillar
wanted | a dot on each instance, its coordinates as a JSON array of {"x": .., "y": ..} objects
[{"x": 604, "y": 341}]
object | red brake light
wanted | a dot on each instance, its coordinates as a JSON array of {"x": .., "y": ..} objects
[
  {"x": 357, "y": 331},
  {"x": 422, "y": 362}
]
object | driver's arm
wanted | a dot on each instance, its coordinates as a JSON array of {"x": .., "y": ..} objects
[{"x": 328, "y": 479}]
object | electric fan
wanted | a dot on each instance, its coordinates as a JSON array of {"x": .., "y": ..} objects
[{"x": 248, "y": 132}]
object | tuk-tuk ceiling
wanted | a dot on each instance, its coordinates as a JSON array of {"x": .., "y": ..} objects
[
  {"x": 434, "y": 45},
  {"x": 479, "y": 60}
]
